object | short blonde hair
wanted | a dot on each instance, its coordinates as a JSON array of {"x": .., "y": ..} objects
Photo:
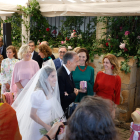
[
  {"x": 23, "y": 49},
  {"x": 113, "y": 60}
]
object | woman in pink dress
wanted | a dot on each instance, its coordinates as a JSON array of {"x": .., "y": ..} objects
[{"x": 23, "y": 71}]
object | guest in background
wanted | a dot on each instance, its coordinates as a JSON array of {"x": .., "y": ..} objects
[
  {"x": 1, "y": 58},
  {"x": 108, "y": 82},
  {"x": 9, "y": 129},
  {"x": 24, "y": 70},
  {"x": 83, "y": 72},
  {"x": 2, "y": 49},
  {"x": 45, "y": 53},
  {"x": 45, "y": 42},
  {"x": 34, "y": 54},
  {"x": 59, "y": 61},
  {"x": 7, "y": 67},
  {"x": 68, "y": 92}
]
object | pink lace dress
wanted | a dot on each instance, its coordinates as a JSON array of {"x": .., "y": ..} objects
[{"x": 135, "y": 135}]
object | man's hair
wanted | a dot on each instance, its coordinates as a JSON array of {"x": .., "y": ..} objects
[
  {"x": 68, "y": 56},
  {"x": 45, "y": 42},
  {"x": 91, "y": 120},
  {"x": 63, "y": 47},
  {"x": 31, "y": 41}
]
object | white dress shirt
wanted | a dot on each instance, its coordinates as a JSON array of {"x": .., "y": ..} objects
[{"x": 68, "y": 72}]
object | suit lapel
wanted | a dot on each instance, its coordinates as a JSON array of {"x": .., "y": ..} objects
[
  {"x": 34, "y": 55},
  {"x": 67, "y": 77}
]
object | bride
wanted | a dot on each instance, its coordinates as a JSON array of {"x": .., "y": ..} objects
[{"x": 38, "y": 104}]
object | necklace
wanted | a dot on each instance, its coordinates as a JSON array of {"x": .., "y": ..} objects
[{"x": 82, "y": 69}]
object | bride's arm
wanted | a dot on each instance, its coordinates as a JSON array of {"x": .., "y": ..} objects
[{"x": 34, "y": 116}]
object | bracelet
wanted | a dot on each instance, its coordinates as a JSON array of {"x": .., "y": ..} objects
[{"x": 48, "y": 137}]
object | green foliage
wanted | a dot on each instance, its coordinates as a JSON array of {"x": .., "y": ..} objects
[{"x": 125, "y": 67}]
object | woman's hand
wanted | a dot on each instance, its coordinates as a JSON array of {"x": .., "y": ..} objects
[
  {"x": 83, "y": 90},
  {"x": 47, "y": 127},
  {"x": 7, "y": 86},
  {"x": 54, "y": 130}
]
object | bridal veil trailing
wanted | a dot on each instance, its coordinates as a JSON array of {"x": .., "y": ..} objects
[{"x": 39, "y": 94}]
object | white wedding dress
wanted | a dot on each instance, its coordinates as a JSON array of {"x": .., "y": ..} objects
[
  {"x": 38, "y": 94},
  {"x": 43, "y": 106}
]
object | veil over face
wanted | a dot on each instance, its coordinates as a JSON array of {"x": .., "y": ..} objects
[{"x": 46, "y": 80}]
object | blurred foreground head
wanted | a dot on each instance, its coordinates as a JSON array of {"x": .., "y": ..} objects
[{"x": 92, "y": 120}]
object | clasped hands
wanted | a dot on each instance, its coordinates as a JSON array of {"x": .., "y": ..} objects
[{"x": 76, "y": 91}]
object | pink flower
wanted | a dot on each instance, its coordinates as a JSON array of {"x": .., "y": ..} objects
[
  {"x": 74, "y": 31},
  {"x": 54, "y": 32},
  {"x": 120, "y": 28},
  {"x": 126, "y": 33},
  {"x": 122, "y": 46},
  {"x": 43, "y": 35},
  {"x": 62, "y": 42},
  {"x": 109, "y": 39},
  {"x": 138, "y": 37},
  {"x": 47, "y": 29}
]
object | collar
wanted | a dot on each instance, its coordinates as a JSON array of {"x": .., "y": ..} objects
[
  {"x": 46, "y": 58},
  {"x": 68, "y": 72},
  {"x": 32, "y": 54}
]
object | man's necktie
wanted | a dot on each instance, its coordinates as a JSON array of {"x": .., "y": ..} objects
[{"x": 70, "y": 76}]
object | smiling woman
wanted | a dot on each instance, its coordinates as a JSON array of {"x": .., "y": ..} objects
[
  {"x": 83, "y": 72},
  {"x": 108, "y": 82},
  {"x": 23, "y": 71},
  {"x": 7, "y": 67}
]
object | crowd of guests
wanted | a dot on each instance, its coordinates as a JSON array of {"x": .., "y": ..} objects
[{"x": 44, "y": 87}]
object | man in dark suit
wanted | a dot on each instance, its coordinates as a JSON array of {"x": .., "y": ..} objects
[
  {"x": 35, "y": 55},
  {"x": 2, "y": 49},
  {"x": 59, "y": 61},
  {"x": 68, "y": 92}
]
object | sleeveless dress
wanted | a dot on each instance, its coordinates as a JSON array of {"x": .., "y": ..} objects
[
  {"x": 135, "y": 135},
  {"x": 43, "y": 106}
]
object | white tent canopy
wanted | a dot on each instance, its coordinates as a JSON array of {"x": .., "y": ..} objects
[{"x": 51, "y": 8}]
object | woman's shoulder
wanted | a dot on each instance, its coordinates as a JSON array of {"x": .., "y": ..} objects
[
  {"x": 118, "y": 77},
  {"x": 91, "y": 68},
  {"x": 100, "y": 73},
  {"x": 38, "y": 93}
]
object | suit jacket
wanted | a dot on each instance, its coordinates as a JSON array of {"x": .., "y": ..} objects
[
  {"x": 4, "y": 52},
  {"x": 57, "y": 63},
  {"x": 37, "y": 58},
  {"x": 65, "y": 85}
]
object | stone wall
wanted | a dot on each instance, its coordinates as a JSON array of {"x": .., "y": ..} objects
[{"x": 130, "y": 88}]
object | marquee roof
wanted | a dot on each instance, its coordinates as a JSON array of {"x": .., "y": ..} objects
[{"x": 51, "y": 8}]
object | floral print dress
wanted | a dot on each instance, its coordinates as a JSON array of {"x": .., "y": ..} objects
[{"x": 7, "y": 67}]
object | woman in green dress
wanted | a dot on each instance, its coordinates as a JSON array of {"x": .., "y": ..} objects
[{"x": 83, "y": 72}]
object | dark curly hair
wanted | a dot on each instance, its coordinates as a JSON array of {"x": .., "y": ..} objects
[
  {"x": 91, "y": 121},
  {"x": 84, "y": 50},
  {"x": 45, "y": 49}
]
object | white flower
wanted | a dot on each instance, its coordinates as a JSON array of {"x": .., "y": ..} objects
[{"x": 122, "y": 46}]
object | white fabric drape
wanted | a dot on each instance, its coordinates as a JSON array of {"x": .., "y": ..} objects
[{"x": 51, "y": 8}]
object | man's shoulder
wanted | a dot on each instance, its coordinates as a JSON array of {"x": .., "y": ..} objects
[
  {"x": 56, "y": 60},
  {"x": 61, "y": 70}
]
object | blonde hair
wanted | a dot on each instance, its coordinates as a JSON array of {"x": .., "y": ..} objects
[
  {"x": 23, "y": 49},
  {"x": 113, "y": 60}
]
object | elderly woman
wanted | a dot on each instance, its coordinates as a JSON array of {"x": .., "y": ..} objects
[
  {"x": 24, "y": 70},
  {"x": 45, "y": 53},
  {"x": 7, "y": 67},
  {"x": 108, "y": 82},
  {"x": 83, "y": 72}
]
